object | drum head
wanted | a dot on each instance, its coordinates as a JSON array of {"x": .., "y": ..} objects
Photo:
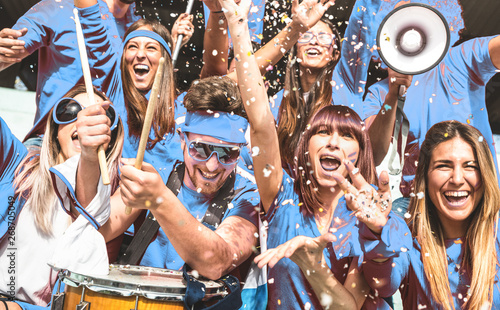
[{"x": 152, "y": 283}]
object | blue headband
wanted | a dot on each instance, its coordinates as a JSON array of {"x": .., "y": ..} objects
[
  {"x": 149, "y": 34},
  {"x": 221, "y": 125}
]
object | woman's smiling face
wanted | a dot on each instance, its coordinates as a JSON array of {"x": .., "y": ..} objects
[
  {"x": 314, "y": 55},
  {"x": 454, "y": 181},
  {"x": 142, "y": 56}
]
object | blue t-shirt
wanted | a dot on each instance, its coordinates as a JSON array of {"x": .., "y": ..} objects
[
  {"x": 160, "y": 253},
  {"x": 453, "y": 90},
  {"x": 106, "y": 58},
  {"x": 52, "y": 31},
  {"x": 13, "y": 153},
  {"x": 288, "y": 288},
  {"x": 404, "y": 270}
]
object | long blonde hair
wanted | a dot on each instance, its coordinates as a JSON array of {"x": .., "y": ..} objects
[
  {"x": 480, "y": 257},
  {"x": 32, "y": 180}
]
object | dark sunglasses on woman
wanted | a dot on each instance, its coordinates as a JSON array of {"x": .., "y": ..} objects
[{"x": 66, "y": 111}]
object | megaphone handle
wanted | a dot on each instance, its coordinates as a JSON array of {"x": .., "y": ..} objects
[
  {"x": 402, "y": 92},
  {"x": 401, "y": 124}
]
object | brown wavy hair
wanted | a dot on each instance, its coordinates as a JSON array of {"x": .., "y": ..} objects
[
  {"x": 294, "y": 111},
  {"x": 335, "y": 118},
  {"x": 480, "y": 258},
  {"x": 136, "y": 103}
]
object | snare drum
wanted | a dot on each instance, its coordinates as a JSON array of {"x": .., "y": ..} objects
[{"x": 131, "y": 287}]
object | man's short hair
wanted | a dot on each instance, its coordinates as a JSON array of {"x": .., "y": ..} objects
[{"x": 216, "y": 93}]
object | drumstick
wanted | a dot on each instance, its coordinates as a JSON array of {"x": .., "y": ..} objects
[
  {"x": 90, "y": 92},
  {"x": 148, "y": 119},
  {"x": 179, "y": 37}
]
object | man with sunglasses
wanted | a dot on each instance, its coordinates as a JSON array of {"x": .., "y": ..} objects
[{"x": 206, "y": 187}]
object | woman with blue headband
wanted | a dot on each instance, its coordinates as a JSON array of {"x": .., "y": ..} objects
[
  {"x": 128, "y": 71},
  {"x": 33, "y": 224}
]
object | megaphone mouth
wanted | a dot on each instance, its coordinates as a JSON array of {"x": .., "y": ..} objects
[
  {"x": 413, "y": 38},
  {"x": 411, "y": 41}
]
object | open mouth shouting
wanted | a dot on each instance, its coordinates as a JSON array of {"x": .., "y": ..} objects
[
  {"x": 329, "y": 162},
  {"x": 141, "y": 70},
  {"x": 74, "y": 139}
]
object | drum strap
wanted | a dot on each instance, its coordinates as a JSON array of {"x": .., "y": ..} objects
[{"x": 148, "y": 230}]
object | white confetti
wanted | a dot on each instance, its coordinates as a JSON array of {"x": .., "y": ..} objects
[{"x": 255, "y": 151}]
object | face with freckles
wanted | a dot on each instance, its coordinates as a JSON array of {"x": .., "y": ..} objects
[
  {"x": 142, "y": 57},
  {"x": 454, "y": 182},
  {"x": 66, "y": 134},
  {"x": 206, "y": 176},
  {"x": 327, "y": 151},
  {"x": 315, "y": 55}
]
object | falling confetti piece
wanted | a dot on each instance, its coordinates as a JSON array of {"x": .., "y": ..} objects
[{"x": 255, "y": 151}]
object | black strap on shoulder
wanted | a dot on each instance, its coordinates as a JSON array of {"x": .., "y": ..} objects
[{"x": 148, "y": 230}]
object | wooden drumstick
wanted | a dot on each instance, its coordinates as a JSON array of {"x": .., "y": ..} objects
[
  {"x": 90, "y": 92},
  {"x": 148, "y": 119}
]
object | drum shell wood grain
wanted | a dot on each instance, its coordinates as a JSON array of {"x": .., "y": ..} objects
[{"x": 100, "y": 301}]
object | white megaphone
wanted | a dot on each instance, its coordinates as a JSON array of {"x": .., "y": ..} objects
[{"x": 413, "y": 38}]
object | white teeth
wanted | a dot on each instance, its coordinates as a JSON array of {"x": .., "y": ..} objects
[
  {"x": 456, "y": 194},
  {"x": 208, "y": 175},
  {"x": 312, "y": 51},
  {"x": 141, "y": 67}
]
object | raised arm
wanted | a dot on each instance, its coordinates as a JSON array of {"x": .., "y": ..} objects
[
  {"x": 304, "y": 16},
  {"x": 267, "y": 164},
  {"x": 215, "y": 42},
  {"x": 381, "y": 125}
]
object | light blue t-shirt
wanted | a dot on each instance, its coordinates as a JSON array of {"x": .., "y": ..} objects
[
  {"x": 404, "y": 270},
  {"x": 287, "y": 285},
  {"x": 160, "y": 253},
  {"x": 52, "y": 31}
]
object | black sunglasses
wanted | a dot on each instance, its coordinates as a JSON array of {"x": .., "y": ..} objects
[{"x": 66, "y": 111}]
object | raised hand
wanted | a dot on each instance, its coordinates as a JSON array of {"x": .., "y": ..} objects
[
  {"x": 306, "y": 252},
  {"x": 236, "y": 11},
  {"x": 309, "y": 12},
  {"x": 93, "y": 128},
  {"x": 371, "y": 206},
  {"x": 184, "y": 26},
  {"x": 397, "y": 81},
  {"x": 11, "y": 48}
]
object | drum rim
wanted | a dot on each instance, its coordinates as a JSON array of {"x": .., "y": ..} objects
[{"x": 115, "y": 287}]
